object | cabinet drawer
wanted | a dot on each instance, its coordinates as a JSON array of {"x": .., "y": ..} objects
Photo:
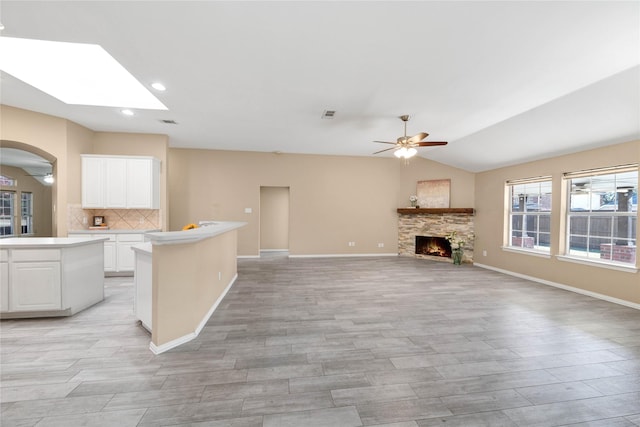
[
  {"x": 130, "y": 237},
  {"x": 35, "y": 255}
]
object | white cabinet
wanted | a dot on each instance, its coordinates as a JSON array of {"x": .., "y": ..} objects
[
  {"x": 143, "y": 178},
  {"x": 143, "y": 284},
  {"x": 35, "y": 286},
  {"x": 4, "y": 280},
  {"x": 118, "y": 255},
  {"x": 120, "y": 182},
  {"x": 109, "y": 256},
  {"x": 49, "y": 276},
  {"x": 93, "y": 182},
  {"x": 125, "y": 256},
  {"x": 115, "y": 184}
]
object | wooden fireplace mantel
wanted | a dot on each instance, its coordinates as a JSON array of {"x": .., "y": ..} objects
[{"x": 415, "y": 211}]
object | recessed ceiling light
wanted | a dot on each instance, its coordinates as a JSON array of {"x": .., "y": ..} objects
[
  {"x": 127, "y": 112},
  {"x": 158, "y": 86},
  {"x": 75, "y": 73}
]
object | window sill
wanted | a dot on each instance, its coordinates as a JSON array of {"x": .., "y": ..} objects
[
  {"x": 593, "y": 263},
  {"x": 532, "y": 252}
]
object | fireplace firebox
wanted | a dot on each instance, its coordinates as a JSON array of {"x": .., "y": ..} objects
[{"x": 433, "y": 246}]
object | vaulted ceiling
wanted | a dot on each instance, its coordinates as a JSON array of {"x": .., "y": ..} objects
[{"x": 503, "y": 82}]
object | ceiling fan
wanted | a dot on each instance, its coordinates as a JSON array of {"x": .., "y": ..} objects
[
  {"x": 47, "y": 177},
  {"x": 405, "y": 146}
]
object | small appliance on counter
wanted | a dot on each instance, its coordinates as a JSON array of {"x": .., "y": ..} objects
[{"x": 99, "y": 223}]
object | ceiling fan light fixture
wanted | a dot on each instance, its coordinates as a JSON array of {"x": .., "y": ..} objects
[
  {"x": 400, "y": 152},
  {"x": 410, "y": 153}
]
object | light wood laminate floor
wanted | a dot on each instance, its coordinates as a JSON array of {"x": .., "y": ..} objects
[{"x": 337, "y": 342}]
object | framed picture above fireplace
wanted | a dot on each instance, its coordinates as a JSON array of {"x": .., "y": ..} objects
[{"x": 434, "y": 193}]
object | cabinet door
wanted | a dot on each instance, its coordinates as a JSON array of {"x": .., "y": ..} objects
[
  {"x": 4, "y": 286},
  {"x": 109, "y": 256},
  {"x": 115, "y": 183},
  {"x": 126, "y": 256},
  {"x": 142, "y": 184},
  {"x": 35, "y": 286},
  {"x": 92, "y": 182}
]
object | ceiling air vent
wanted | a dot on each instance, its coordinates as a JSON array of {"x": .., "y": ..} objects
[
  {"x": 169, "y": 122},
  {"x": 328, "y": 114}
]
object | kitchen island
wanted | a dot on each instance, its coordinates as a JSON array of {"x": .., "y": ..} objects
[
  {"x": 181, "y": 277},
  {"x": 50, "y": 276}
]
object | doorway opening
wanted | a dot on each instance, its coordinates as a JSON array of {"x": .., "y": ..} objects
[
  {"x": 274, "y": 221},
  {"x": 28, "y": 193}
]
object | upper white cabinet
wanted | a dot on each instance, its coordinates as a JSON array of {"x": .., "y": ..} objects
[{"x": 120, "y": 182}]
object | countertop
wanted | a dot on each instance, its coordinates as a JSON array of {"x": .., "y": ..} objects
[
  {"x": 114, "y": 231},
  {"x": 47, "y": 242},
  {"x": 144, "y": 248},
  {"x": 206, "y": 230}
]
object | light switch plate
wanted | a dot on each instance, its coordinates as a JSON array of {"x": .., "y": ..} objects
[{"x": 248, "y": 210}]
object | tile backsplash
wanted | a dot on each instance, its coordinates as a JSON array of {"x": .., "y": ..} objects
[{"x": 116, "y": 219}]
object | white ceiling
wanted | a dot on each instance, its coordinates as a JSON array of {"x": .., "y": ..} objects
[{"x": 504, "y": 82}]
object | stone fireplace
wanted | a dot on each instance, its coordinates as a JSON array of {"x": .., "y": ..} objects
[{"x": 436, "y": 223}]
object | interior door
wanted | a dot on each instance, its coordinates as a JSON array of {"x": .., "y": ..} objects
[{"x": 274, "y": 218}]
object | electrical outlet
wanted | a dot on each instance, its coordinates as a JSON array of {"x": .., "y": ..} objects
[
  {"x": 219, "y": 275},
  {"x": 141, "y": 220},
  {"x": 484, "y": 252},
  {"x": 352, "y": 243},
  {"x": 381, "y": 245},
  {"x": 84, "y": 219}
]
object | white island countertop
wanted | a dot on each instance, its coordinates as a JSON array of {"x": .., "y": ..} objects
[{"x": 47, "y": 242}]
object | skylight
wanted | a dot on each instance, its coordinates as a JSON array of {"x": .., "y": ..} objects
[{"x": 74, "y": 73}]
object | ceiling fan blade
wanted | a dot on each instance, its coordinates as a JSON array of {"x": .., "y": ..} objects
[
  {"x": 386, "y": 149},
  {"x": 418, "y": 137},
  {"x": 385, "y": 142},
  {"x": 430, "y": 143}
]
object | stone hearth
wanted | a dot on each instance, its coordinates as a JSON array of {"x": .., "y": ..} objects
[{"x": 434, "y": 222}]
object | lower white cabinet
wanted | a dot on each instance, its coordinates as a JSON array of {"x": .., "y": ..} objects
[
  {"x": 35, "y": 286},
  {"x": 118, "y": 255},
  {"x": 4, "y": 280},
  {"x": 110, "y": 256},
  {"x": 125, "y": 256},
  {"x": 49, "y": 276}
]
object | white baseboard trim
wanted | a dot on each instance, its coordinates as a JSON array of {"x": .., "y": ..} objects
[
  {"x": 561, "y": 286},
  {"x": 339, "y": 255},
  {"x": 190, "y": 336},
  {"x": 247, "y": 256}
]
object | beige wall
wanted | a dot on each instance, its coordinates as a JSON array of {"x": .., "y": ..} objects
[
  {"x": 274, "y": 218},
  {"x": 462, "y": 182},
  {"x": 188, "y": 279},
  {"x": 38, "y": 133},
  {"x": 490, "y": 224},
  {"x": 333, "y": 199},
  {"x": 42, "y": 214}
]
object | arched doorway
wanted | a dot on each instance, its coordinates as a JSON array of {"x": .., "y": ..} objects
[{"x": 26, "y": 199}]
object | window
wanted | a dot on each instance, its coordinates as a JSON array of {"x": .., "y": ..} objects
[
  {"x": 602, "y": 214},
  {"x": 6, "y": 213},
  {"x": 26, "y": 210},
  {"x": 7, "y": 181},
  {"x": 530, "y": 214}
]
